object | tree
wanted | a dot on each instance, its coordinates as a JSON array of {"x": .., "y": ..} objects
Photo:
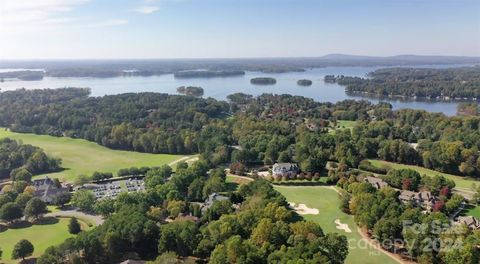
[
  {"x": 213, "y": 185},
  {"x": 218, "y": 209},
  {"x": 167, "y": 258},
  {"x": 179, "y": 236},
  {"x": 84, "y": 200},
  {"x": 21, "y": 174},
  {"x": 35, "y": 208},
  {"x": 22, "y": 199},
  {"x": 62, "y": 199},
  {"x": 74, "y": 226},
  {"x": 10, "y": 212},
  {"x": 157, "y": 176},
  {"x": 22, "y": 249},
  {"x": 104, "y": 207}
]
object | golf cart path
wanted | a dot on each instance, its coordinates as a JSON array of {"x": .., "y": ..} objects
[{"x": 95, "y": 219}]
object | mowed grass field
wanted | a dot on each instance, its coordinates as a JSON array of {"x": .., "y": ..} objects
[
  {"x": 461, "y": 183},
  {"x": 342, "y": 124},
  {"x": 41, "y": 236},
  {"x": 327, "y": 201},
  {"x": 475, "y": 211},
  {"x": 83, "y": 157}
]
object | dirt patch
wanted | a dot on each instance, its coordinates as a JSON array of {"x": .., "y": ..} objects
[
  {"x": 303, "y": 209},
  {"x": 343, "y": 227}
]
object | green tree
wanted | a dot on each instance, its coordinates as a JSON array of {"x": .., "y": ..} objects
[
  {"x": 21, "y": 174},
  {"x": 180, "y": 237},
  {"x": 62, "y": 199},
  {"x": 157, "y": 176},
  {"x": 74, "y": 226},
  {"x": 35, "y": 208},
  {"x": 22, "y": 199},
  {"x": 104, "y": 207},
  {"x": 10, "y": 212},
  {"x": 22, "y": 249},
  {"x": 84, "y": 200}
]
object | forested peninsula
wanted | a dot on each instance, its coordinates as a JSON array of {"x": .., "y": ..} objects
[{"x": 417, "y": 83}]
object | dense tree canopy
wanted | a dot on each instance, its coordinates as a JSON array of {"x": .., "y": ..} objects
[
  {"x": 21, "y": 161},
  {"x": 452, "y": 83}
]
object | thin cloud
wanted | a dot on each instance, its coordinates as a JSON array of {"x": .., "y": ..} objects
[
  {"x": 15, "y": 12},
  {"x": 21, "y": 16},
  {"x": 146, "y": 9},
  {"x": 110, "y": 23}
]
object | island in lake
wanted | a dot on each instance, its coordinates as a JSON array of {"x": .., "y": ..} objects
[
  {"x": 190, "y": 90},
  {"x": 207, "y": 74},
  {"x": 22, "y": 75},
  {"x": 304, "y": 82},
  {"x": 263, "y": 81}
]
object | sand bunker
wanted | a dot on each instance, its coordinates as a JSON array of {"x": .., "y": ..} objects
[
  {"x": 343, "y": 227},
  {"x": 302, "y": 209}
]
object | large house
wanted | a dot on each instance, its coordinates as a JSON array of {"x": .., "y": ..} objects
[
  {"x": 47, "y": 190},
  {"x": 212, "y": 198},
  {"x": 285, "y": 169},
  {"x": 470, "y": 221},
  {"x": 376, "y": 182},
  {"x": 422, "y": 199}
]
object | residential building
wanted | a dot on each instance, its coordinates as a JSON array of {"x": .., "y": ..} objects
[
  {"x": 423, "y": 199},
  {"x": 376, "y": 182},
  {"x": 47, "y": 190},
  {"x": 212, "y": 198},
  {"x": 282, "y": 169},
  {"x": 470, "y": 221}
]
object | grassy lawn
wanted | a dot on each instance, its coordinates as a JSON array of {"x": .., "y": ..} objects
[
  {"x": 83, "y": 157},
  {"x": 475, "y": 211},
  {"x": 343, "y": 124},
  {"x": 461, "y": 182},
  {"x": 41, "y": 236},
  {"x": 326, "y": 200}
]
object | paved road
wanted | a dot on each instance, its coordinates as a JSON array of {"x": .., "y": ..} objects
[{"x": 95, "y": 219}]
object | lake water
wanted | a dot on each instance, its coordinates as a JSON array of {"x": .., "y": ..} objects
[{"x": 219, "y": 88}]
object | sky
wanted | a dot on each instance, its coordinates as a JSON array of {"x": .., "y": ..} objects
[{"x": 108, "y": 29}]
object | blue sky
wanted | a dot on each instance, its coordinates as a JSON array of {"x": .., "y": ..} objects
[{"x": 36, "y": 29}]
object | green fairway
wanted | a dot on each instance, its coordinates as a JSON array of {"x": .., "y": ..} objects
[
  {"x": 83, "y": 157},
  {"x": 41, "y": 236},
  {"x": 342, "y": 124},
  {"x": 460, "y": 182},
  {"x": 345, "y": 123},
  {"x": 475, "y": 211},
  {"x": 327, "y": 201}
]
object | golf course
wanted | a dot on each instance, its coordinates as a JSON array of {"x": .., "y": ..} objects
[
  {"x": 462, "y": 183},
  {"x": 51, "y": 231},
  {"x": 82, "y": 157},
  {"x": 327, "y": 201}
]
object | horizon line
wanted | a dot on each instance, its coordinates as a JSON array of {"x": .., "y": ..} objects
[{"x": 234, "y": 58}]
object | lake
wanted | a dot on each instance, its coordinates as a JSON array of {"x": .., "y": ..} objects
[{"x": 219, "y": 88}]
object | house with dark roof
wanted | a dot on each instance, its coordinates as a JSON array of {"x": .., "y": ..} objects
[
  {"x": 212, "y": 198},
  {"x": 47, "y": 190},
  {"x": 470, "y": 221},
  {"x": 423, "y": 199},
  {"x": 285, "y": 169},
  {"x": 377, "y": 183}
]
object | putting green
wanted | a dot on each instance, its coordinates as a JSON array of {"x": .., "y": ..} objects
[
  {"x": 41, "y": 236},
  {"x": 84, "y": 157},
  {"x": 327, "y": 201}
]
